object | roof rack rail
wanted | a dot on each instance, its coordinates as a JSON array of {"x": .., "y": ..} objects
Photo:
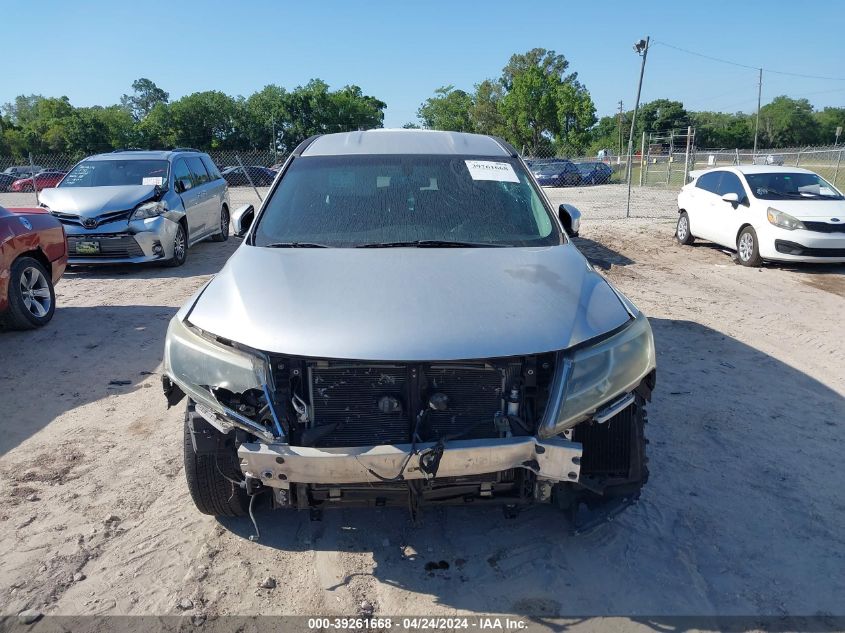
[
  {"x": 129, "y": 149},
  {"x": 184, "y": 149}
]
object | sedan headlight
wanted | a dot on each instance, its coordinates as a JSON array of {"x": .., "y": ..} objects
[
  {"x": 597, "y": 373},
  {"x": 197, "y": 363},
  {"x": 149, "y": 210},
  {"x": 783, "y": 220}
]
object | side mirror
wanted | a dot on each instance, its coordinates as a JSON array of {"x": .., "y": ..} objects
[
  {"x": 242, "y": 218},
  {"x": 570, "y": 217},
  {"x": 732, "y": 198},
  {"x": 182, "y": 185}
]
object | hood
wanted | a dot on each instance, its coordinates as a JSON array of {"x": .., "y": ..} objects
[
  {"x": 93, "y": 201},
  {"x": 821, "y": 210},
  {"x": 408, "y": 304}
]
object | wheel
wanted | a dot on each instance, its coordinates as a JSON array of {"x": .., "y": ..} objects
[
  {"x": 32, "y": 300},
  {"x": 223, "y": 235},
  {"x": 682, "y": 231},
  {"x": 747, "y": 249},
  {"x": 211, "y": 471},
  {"x": 180, "y": 247}
]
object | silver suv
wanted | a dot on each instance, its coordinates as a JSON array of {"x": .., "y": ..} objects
[
  {"x": 408, "y": 322},
  {"x": 140, "y": 206}
]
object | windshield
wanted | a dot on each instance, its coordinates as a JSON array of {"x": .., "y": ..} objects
[
  {"x": 791, "y": 186},
  {"x": 350, "y": 201},
  {"x": 586, "y": 167},
  {"x": 549, "y": 168},
  {"x": 104, "y": 173}
]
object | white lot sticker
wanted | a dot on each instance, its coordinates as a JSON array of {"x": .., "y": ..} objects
[
  {"x": 151, "y": 180},
  {"x": 491, "y": 170}
]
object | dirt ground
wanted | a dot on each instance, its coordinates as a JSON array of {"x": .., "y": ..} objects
[{"x": 743, "y": 513}]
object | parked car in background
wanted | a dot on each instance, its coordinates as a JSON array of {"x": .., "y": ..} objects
[
  {"x": 556, "y": 173},
  {"x": 768, "y": 159},
  {"x": 6, "y": 181},
  {"x": 594, "y": 173},
  {"x": 22, "y": 171},
  {"x": 140, "y": 206},
  {"x": 764, "y": 213},
  {"x": 33, "y": 257},
  {"x": 260, "y": 176},
  {"x": 337, "y": 358},
  {"x": 41, "y": 180}
]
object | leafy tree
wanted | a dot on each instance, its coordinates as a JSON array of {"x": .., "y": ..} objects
[
  {"x": 410, "y": 126},
  {"x": 146, "y": 96},
  {"x": 662, "y": 116},
  {"x": 485, "y": 112},
  {"x": 721, "y": 129},
  {"x": 829, "y": 119},
  {"x": 205, "y": 120},
  {"x": 449, "y": 109},
  {"x": 788, "y": 122}
]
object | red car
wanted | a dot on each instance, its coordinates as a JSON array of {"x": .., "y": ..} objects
[
  {"x": 43, "y": 180},
  {"x": 33, "y": 257}
]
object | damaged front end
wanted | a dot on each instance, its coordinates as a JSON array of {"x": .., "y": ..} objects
[{"x": 554, "y": 427}]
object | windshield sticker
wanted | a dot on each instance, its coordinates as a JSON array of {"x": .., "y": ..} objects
[
  {"x": 152, "y": 180},
  {"x": 491, "y": 170}
]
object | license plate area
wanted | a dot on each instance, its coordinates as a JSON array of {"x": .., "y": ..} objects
[{"x": 87, "y": 247}]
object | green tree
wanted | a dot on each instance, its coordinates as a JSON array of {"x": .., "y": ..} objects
[
  {"x": 788, "y": 122},
  {"x": 723, "y": 130},
  {"x": 486, "y": 109},
  {"x": 205, "y": 120},
  {"x": 146, "y": 96},
  {"x": 829, "y": 119},
  {"x": 449, "y": 109},
  {"x": 662, "y": 116}
]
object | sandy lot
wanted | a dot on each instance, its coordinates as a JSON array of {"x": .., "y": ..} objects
[{"x": 743, "y": 513}]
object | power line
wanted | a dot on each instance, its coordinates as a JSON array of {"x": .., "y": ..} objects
[{"x": 732, "y": 63}]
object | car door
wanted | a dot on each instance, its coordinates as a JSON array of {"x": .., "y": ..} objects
[
  {"x": 700, "y": 207},
  {"x": 728, "y": 216},
  {"x": 216, "y": 184},
  {"x": 190, "y": 198},
  {"x": 207, "y": 204}
]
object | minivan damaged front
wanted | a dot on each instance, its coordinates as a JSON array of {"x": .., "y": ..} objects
[{"x": 360, "y": 371}]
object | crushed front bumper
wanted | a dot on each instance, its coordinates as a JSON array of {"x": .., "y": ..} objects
[
  {"x": 280, "y": 465},
  {"x": 132, "y": 242}
]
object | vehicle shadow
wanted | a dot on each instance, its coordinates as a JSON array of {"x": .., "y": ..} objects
[
  {"x": 741, "y": 516},
  {"x": 205, "y": 258},
  {"x": 600, "y": 255},
  {"x": 74, "y": 361}
]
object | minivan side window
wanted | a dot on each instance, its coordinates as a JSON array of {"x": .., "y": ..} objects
[
  {"x": 198, "y": 169},
  {"x": 730, "y": 183},
  {"x": 709, "y": 181},
  {"x": 181, "y": 171},
  {"x": 213, "y": 172}
]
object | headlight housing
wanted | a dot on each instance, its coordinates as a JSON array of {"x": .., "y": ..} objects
[
  {"x": 197, "y": 363},
  {"x": 148, "y": 210},
  {"x": 595, "y": 374},
  {"x": 783, "y": 220}
]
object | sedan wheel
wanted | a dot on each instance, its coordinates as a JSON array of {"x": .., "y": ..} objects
[
  {"x": 32, "y": 300},
  {"x": 747, "y": 249},
  {"x": 682, "y": 232}
]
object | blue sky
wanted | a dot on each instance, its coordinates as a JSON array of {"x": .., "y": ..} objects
[{"x": 401, "y": 51}]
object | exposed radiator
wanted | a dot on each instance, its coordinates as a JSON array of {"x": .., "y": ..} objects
[{"x": 607, "y": 447}]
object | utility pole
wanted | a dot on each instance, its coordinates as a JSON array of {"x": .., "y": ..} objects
[
  {"x": 621, "y": 111},
  {"x": 641, "y": 48},
  {"x": 757, "y": 122}
]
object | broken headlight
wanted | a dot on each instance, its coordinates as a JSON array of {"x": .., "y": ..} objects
[
  {"x": 198, "y": 363},
  {"x": 597, "y": 373}
]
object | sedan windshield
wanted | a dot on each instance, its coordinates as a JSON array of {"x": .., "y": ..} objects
[
  {"x": 405, "y": 200},
  {"x": 549, "y": 169},
  {"x": 104, "y": 173},
  {"x": 791, "y": 186}
]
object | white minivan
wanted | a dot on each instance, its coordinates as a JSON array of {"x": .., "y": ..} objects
[{"x": 764, "y": 213}]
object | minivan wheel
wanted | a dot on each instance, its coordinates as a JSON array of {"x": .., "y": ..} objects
[
  {"x": 32, "y": 300},
  {"x": 180, "y": 247},
  {"x": 223, "y": 235},
  {"x": 211, "y": 468},
  {"x": 682, "y": 232},
  {"x": 747, "y": 249}
]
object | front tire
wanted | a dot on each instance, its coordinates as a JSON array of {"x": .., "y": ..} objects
[
  {"x": 682, "y": 230},
  {"x": 747, "y": 248},
  {"x": 180, "y": 247},
  {"x": 211, "y": 471},
  {"x": 32, "y": 299},
  {"x": 223, "y": 235}
]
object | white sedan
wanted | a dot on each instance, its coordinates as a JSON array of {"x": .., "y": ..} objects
[{"x": 764, "y": 213}]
